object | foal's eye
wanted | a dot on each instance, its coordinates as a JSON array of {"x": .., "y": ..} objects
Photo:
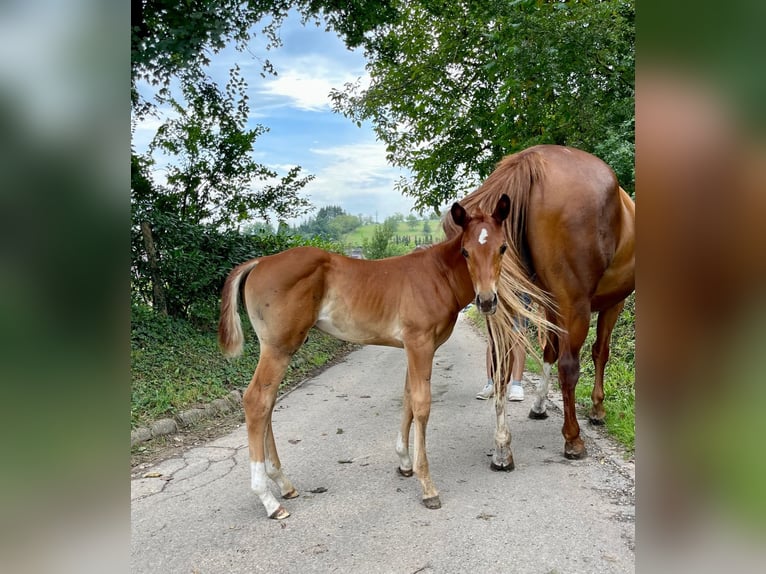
[
  {"x": 503, "y": 247},
  {"x": 464, "y": 252}
]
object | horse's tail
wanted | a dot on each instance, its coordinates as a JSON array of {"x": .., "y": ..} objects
[
  {"x": 230, "y": 335},
  {"x": 516, "y": 176}
]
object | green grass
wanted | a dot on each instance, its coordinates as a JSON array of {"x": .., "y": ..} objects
[
  {"x": 619, "y": 376},
  {"x": 357, "y": 237},
  {"x": 175, "y": 366}
]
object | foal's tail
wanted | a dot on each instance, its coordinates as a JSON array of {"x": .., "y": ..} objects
[{"x": 230, "y": 336}]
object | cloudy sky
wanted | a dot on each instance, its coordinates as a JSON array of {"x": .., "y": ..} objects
[{"x": 348, "y": 163}]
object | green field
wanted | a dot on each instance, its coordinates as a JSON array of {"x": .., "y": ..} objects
[{"x": 403, "y": 229}]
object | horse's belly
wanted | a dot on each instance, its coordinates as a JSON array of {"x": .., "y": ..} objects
[{"x": 343, "y": 325}]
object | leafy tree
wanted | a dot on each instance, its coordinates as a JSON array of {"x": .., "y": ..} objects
[
  {"x": 330, "y": 222},
  {"x": 412, "y": 221},
  {"x": 212, "y": 173},
  {"x": 343, "y": 224},
  {"x": 382, "y": 243},
  {"x": 184, "y": 233},
  {"x": 458, "y": 84}
]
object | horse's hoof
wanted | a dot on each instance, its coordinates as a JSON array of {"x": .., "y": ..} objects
[
  {"x": 292, "y": 494},
  {"x": 595, "y": 421},
  {"x": 507, "y": 467},
  {"x": 403, "y": 472},
  {"x": 575, "y": 451},
  {"x": 538, "y": 416},
  {"x": 280, "y": 513},
  {"x": 432, "y": 503}
]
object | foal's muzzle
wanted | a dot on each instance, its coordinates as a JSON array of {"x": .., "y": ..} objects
[{"x": 486, "y": 303}]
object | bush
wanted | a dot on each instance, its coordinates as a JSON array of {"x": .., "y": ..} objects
[{"x": 194, "y": 260}]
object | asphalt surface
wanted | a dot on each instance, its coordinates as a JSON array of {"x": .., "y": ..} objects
[{"x": 336, "y": 435}]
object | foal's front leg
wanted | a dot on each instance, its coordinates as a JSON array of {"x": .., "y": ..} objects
[
  {"x": 502, "y": 457},
  {"x": 419, "y": 364}
]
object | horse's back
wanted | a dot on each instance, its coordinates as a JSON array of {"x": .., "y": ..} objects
[{"x": 581, "y": 228}]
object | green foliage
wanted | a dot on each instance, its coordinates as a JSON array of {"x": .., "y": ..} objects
[
  {"x": 174, "y": 40},
  {"x": 211, "y": 174},
  {"x": 330, "y": 222},
  {"x": 457, "y": 85},
  {"x": 403, "y": 234},
  {"x": 195, "y": 260},
  {"x": 377, "y": 247},
  {"x": 385, "y": 242},
  {"x": 175, "y": 366},
  {"x": 619, "y": 377}
]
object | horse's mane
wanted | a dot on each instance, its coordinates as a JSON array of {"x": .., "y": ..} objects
[{"x": 516, "y": 176}]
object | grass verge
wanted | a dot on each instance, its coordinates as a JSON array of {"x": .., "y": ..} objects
[
  {"x": 175, "y": 366},
  {"x": 619, "y": 376}
]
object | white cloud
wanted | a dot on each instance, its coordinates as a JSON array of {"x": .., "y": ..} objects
[
  {"x": 357, "y": 177},
  {"x": 305, "y": 82}
]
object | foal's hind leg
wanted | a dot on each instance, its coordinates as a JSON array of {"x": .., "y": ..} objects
[
  {"x": 403, "y": 440},
  {"x": 258, "y": 402},
  {"x": 600, "y": 353},
  {"x": 274, "y": 466}
]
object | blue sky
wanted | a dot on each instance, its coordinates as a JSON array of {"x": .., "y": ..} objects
[{"x": 348, "y": 163}]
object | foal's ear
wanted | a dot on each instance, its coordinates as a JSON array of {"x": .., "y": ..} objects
[
  {"x": 459, "y": 216},
  {"x": 502, "y": 209}
]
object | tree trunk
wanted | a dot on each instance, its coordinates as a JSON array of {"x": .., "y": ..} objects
[{"x": 158, "y": 292}]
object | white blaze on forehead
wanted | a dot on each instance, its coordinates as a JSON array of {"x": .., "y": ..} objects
[{"x": 483, "y": 235}]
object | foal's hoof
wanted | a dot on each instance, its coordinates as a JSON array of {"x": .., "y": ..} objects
[
  {"x": 280, "y": 513},
  {"x": 596, "y": 421},
  {"x": 575, "y": 450},
  {"x": 538, "y": 416},
  {"x": 403, "y": 472},
  {"x": 505, "y": 467},
  {"x": 292, "y": 494},
  {"x": 432, "y": 503}
]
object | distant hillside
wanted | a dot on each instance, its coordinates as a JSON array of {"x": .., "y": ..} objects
[{"x": 412, "y": 234}]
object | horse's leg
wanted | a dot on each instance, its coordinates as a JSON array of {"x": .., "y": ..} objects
[
  {"x": 419, "y": 365},
  {"x": 274, "y": 466},
  {"x": 403, "y": 440},
  {"x": 569, "y": 372},
  {"x": 600, "y": 353},
  {"x": 258, "y": 402},
  {"x": 502, "y": 458},
  {"x": 550, "y": 355}
]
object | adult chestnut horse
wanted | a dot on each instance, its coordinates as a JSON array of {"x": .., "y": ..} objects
[
  {"x": 571, "y": 237},
  {"x": 411, "y": 302}
]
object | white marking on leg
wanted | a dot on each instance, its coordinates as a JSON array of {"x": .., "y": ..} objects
[
  {"x": 542, "y": 389},
  {"x": 260, "y": 486},
  {"x": 405, "y": 462},
  {"x": 483, "y": 235}
]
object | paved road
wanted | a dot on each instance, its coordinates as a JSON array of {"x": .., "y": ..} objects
[{"x": 550, "y": 515}]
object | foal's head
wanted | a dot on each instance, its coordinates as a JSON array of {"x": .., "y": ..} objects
[{"x": 483, "y": 244}]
